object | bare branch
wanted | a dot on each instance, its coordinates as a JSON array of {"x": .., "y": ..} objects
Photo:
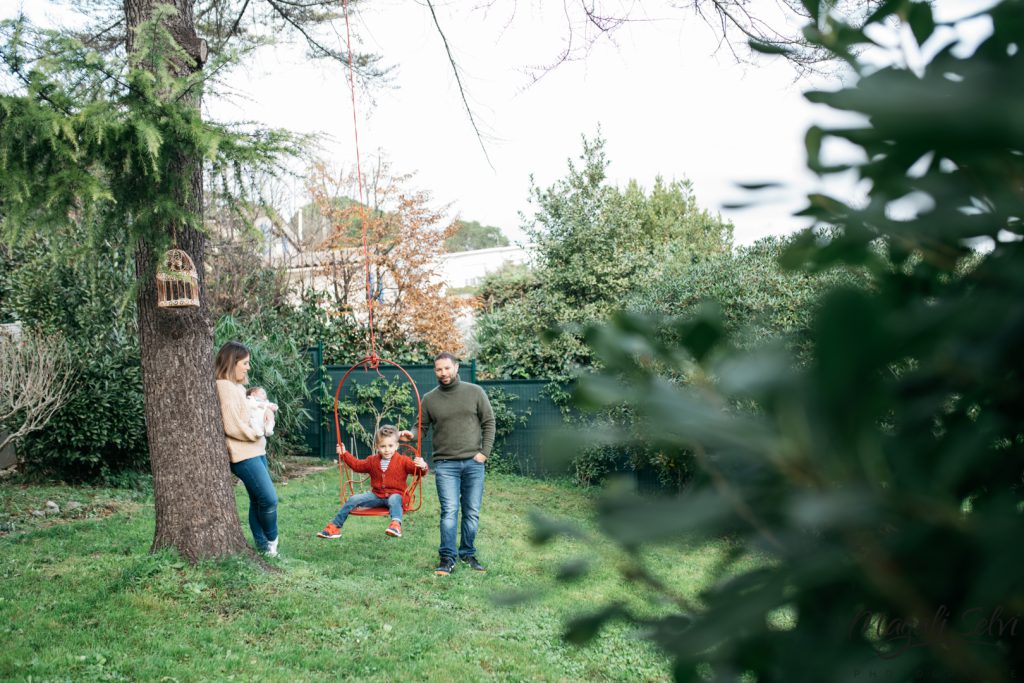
[
  {"x": 458, "y": 81},
  {"x": 238, "y": 19},
  {"x": 35, "y": 381}
]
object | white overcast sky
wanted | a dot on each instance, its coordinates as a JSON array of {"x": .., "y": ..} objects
[{"x": 666, "y": 100}]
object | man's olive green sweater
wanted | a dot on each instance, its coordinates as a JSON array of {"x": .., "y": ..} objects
[{"x": 462, "y": 419}]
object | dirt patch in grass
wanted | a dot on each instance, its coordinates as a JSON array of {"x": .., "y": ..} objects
[
  {"x": 296, "y": 468},
  {"x": 31, "y": 512}
]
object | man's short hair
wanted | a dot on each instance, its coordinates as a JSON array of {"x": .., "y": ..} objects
[{"x": 445, "y": 355}]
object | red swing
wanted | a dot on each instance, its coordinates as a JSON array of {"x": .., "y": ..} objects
[{"x": 349, "y": 483}]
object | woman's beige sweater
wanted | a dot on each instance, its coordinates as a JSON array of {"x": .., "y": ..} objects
[{"x": 243, "y": 442}]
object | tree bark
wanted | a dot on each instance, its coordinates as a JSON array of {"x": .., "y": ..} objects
[{"x": 194, "y": 490}]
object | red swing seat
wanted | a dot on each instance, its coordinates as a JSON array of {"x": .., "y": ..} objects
[{"x": 350, "y": 482}]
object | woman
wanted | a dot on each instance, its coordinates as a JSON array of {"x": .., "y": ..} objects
[{"x": 246, "y": 448}]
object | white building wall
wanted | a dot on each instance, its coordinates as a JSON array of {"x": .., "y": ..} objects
[
  {"x": 457, "y": 271},
  {"x": 468, "y": 268}
]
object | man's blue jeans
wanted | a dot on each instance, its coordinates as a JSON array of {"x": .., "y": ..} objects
[
  {"x": 262, "y": 499},
  {"x": 370, "y": 500},
  {"x": 460, "y": 484}
]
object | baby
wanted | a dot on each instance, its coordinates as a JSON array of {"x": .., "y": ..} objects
[{"x": 261, "y": 411}]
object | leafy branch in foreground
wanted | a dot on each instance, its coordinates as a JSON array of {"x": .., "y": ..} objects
[{"x": 878, "y": 487}]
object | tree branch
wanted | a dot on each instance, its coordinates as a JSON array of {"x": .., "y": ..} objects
[{"x": 458, "y": 81}]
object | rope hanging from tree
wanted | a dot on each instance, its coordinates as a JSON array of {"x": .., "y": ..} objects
[{"x": 349, "y": 484}]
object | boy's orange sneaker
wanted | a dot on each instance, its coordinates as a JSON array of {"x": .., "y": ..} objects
[
  {"x": 394, "y": 529},
  {"x": 330, "y": 531}
]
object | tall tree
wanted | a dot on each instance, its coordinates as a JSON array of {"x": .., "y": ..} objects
[
  {"x": 594, "y": 245},
  {"x": 123, "y": 144},
  {"x": 471, "y": 235},
  {"x": 195, "y": 505}
]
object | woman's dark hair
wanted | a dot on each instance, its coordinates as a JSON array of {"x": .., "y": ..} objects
[{"x": 227, "y": 359}]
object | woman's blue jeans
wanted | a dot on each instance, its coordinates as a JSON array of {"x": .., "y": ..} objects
[
  {"x": 460, "y": 484},
  {"x": 255, "y": 474},
  {"x": 370, "y": 500}
]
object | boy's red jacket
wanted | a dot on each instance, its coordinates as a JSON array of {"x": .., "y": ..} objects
[{"x": 384, "y": 483}]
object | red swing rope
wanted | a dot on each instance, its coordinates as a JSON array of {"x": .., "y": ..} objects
[
  {"x": 359, "y": 181},
  {"x": 412, "y": 498}
]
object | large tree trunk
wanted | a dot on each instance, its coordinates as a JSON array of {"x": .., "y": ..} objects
[{"x": 195, "y": 504}]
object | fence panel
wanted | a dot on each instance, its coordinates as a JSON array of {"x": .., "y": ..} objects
[
  {"x": 524, "y": 397},
  {"x": 523, "y": 445}
]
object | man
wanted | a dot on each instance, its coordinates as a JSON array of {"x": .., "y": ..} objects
[{"x": 463, "y": 425}]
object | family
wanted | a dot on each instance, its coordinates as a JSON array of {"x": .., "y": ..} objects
[{"x": 462, "y": 421}]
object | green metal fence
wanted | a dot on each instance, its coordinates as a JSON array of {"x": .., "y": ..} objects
[
  {"x": 526, "y": 398},
  {"x": 529, "y": 398}
]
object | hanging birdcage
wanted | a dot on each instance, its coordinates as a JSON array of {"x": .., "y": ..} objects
[{"x": 177, "y": 282}]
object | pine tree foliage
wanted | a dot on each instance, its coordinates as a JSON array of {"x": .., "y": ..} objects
[
  {"x": 76, "y": 139},
  {"x": 236, "y": 27}
]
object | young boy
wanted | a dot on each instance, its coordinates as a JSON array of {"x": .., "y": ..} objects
[
  {"x": 261, "y": 411},
  {"x": 388, "y": 473}
]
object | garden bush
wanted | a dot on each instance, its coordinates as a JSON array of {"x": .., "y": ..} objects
[
  {"x": 760, "y": 300},
  {"x": 57, "y": 284}
]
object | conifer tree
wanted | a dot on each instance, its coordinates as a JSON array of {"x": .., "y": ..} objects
[{"x": 116, "y": 140}]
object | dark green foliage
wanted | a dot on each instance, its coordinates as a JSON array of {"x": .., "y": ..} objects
[
  {"x": 884, "y": 506},
  {"x": 592, "y": 466},
  {"x": 84, "y": 136},
  {"x": 471, "y": 235},
  {"x": 8, "y": 263},
  {"x": 100, "y": 433},
  {"x": 760, "y": 300},
  {"x": 588, "y": 236},
  {"x": 595, "y": 245},
  {"x": 60, "y": 283},
  {"x": 506, "y": 285},
  {"x": 509, "y": 345},
  {"x": 599, "y": 248}
]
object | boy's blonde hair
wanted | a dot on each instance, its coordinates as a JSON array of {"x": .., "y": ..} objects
[{"x": 384, "y": 432}]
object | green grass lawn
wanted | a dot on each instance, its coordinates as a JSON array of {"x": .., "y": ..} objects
[{"x": 81, "y": 597}]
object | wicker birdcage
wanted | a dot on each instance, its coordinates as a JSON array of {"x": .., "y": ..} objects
[{"x": 177, "y": 282}]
